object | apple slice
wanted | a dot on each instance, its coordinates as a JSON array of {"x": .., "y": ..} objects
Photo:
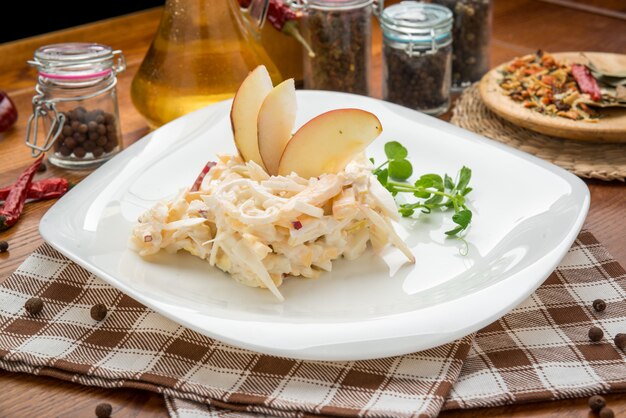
[
  {"x": 244, "y": 111},
  {"x": 275, "y": 123},
  {"x": 328, "y": 142}
]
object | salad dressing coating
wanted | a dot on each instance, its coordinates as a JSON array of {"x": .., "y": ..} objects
[{"x": 261, "y": 229}]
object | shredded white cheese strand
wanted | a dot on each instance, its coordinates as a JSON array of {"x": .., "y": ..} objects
[{"x": 261, "y": 229}]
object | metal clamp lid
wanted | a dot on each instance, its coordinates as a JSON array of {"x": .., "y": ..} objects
[{"x": 43, "y": 109}]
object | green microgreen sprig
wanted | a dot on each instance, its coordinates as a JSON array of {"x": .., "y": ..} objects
[{"x": 432, "y": 191}]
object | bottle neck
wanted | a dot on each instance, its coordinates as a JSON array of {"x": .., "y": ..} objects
[{"x": 185, "y": 21}]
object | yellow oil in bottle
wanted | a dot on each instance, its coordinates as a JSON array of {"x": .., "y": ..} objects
[
  {"x": 284, "y": 51},
  {"x": 200, "y": 55}
]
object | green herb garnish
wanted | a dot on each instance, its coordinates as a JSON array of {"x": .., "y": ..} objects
[{"x": 431, "y": 190}]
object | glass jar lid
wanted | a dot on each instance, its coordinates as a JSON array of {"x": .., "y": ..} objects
[
  {"x": 413, "y": 22},
  {"x": 77, "y": 60},
  {"x": 336, "y": 4}
]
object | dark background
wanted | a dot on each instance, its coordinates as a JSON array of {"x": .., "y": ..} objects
[{"x": 33, "y": 18}]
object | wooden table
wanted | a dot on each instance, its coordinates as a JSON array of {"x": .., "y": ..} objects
[{"x": 520, "y": 27}]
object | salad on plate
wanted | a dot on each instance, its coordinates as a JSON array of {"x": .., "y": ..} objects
[{"x": 287, "y": 205}]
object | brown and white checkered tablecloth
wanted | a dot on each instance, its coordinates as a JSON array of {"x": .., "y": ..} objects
[{"x": 539, "y": 351}]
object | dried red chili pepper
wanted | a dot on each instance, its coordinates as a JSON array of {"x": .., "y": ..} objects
[
  {"x": 42, "y": 189},
  {"x": 15, "y": 200},
  {"x": 196, "y": 184},
  {"x": 586, "y": 82},
  {"x": 296, "y": 225},
  {"x": 284, "y": 20}
]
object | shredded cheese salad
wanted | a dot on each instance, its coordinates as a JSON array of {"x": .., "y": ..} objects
[{"x": 261, "y": 228}]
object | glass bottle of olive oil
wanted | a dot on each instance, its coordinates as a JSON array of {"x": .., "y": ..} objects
[
  {"x": 285, "y": 51},
  {"x": 202, "y": 51}
]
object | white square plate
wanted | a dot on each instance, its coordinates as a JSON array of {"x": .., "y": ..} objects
[{"x": 526, "y": 215}]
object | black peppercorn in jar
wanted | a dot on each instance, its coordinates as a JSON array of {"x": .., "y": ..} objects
[
  {"x": 417, "y": 56},
  {"x": 76, "y": 104},
  {"x": 471, "y": 35},
  {"x": 339, "y": 33}
]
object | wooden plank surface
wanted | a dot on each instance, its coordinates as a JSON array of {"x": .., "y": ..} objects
[{"x": 520, "y": 27}]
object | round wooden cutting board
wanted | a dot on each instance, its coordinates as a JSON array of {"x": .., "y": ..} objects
[{"x": 611, "y": 128}]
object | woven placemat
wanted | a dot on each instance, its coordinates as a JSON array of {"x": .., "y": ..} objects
[{"x": 585, "y": 159}]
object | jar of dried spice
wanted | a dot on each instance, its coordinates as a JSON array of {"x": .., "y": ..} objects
[
  {"x": 339, "y": 33},
  {"x": 471, "y": 35},
  {"x": 76, "y": 104},
  {"x": 417, "y": 56}
]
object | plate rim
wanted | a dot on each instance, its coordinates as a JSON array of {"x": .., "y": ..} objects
[{"x": 341, "y": 351}]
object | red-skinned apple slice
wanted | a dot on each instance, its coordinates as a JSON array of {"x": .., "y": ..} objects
[
  {"x": 244, "y": 111},
  {"x": 328, "y": 142},
  {"x": 275, "y": 123}
]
